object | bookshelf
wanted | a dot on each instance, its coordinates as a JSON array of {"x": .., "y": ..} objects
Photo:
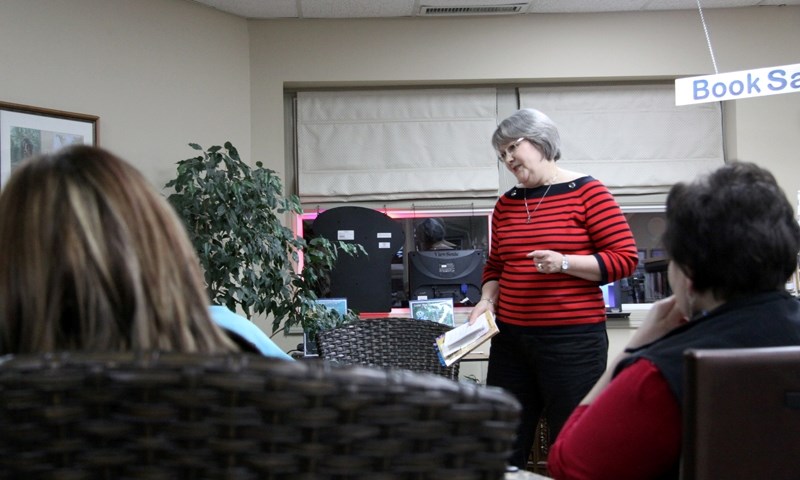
[{"x": 656, "y": 281}]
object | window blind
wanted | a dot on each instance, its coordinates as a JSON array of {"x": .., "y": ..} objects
[
  {"x": 396, "y": 144},
  {"x": 631, "y": 137}
]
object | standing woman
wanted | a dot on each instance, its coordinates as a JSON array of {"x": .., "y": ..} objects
[{"x": 556, "y": 237}]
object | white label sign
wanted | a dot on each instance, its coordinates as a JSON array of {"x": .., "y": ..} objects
[
  {"x": 345, "y": 234},
  {"x": 734, "y": 85}
]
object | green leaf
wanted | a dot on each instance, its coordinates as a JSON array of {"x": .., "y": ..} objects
[{"x": 233, "y": 214}]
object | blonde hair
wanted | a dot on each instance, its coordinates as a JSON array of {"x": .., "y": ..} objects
[{"x": 92, "y": 258}]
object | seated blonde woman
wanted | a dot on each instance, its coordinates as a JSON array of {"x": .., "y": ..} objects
[{"x": 92, "y": 258}]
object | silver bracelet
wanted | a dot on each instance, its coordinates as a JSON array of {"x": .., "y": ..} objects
[{"x": 487, "y": 299}]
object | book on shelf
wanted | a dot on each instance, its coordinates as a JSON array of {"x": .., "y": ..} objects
[{"x": 456, "y": 343}]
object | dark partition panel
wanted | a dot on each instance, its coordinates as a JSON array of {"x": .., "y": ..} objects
[{"x": 364, "y": 280}]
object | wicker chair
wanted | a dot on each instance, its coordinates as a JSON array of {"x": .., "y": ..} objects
[
  {"x": 172, "y": 416},
  {"x": 392, "y": 342}
]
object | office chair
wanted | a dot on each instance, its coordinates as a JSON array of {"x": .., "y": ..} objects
[{"x": 742, "y": 414}]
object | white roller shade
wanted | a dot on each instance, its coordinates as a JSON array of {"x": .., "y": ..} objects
[
  {"x": 632, "y": 138},
  {"x": 396, "y": 144}
]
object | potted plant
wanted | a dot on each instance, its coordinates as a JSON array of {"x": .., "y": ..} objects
[{"x": 233, "y": 214}]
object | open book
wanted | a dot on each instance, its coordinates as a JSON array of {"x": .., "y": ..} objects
[{"x": 456, "y": 343}]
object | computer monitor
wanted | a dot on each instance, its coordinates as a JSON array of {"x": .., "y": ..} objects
[
  {"x": 452, "y": 274},
  {"x": 611, "y": 296}
]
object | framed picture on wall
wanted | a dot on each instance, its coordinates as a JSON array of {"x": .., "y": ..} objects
[{"x": 26, "y": 131}]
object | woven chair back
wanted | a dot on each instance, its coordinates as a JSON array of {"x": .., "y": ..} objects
[
  {"x": 391, "y": 342},
  {"x": 175, "y": 416}
]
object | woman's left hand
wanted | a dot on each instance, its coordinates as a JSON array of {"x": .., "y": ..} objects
[
  {"x": 581, "y": 266},
  {"x": 546, "y": 261}
]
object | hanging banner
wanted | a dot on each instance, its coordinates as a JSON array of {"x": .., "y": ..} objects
[{"x": 734, "y": 85}]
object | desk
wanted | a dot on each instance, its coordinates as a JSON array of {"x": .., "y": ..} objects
[{"x": 524, "y": 475}]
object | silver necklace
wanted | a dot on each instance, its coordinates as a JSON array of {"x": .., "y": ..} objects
[{"x": 525, "y": 198}]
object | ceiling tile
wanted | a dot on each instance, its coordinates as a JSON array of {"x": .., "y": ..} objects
[
  {"x": 404, "y": 8},
  {"x": 255, "y": 8},
  {"x": 692, "y": 4},
  {"x": 575, "y": 6},
  {"x": 356, "y": 8}
]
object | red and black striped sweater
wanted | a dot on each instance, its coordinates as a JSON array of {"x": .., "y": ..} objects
[{"x": 574, "y": 218}]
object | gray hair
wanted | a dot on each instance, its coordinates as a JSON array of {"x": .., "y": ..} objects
[{"x": 534, "y": 126}]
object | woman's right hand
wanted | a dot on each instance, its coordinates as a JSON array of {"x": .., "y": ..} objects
[
  {"x": 662, "y": 318},
  {"x": 479, "y": 308},
  {"x": 489, "y": 294}
]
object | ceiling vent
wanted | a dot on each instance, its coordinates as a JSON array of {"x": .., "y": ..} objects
[{"x": 506, "y": 9}]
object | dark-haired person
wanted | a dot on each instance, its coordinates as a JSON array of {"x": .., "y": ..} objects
[
  {"x": 92, "y": 258},
  {"x": 733, "y": 240},
  {"x": 556, "y": 237},
  {"x": 430, "y": 235}
]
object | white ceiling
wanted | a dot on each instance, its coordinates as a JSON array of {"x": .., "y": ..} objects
[{"x": 413, "y": 8}]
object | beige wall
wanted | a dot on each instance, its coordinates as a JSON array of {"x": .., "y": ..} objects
[
  {"x": 163, "y": 73},
  {"x": 489, "y": 50},
  {"x": 158, "y": 73},
  {"x": 577, "y": 47}
]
